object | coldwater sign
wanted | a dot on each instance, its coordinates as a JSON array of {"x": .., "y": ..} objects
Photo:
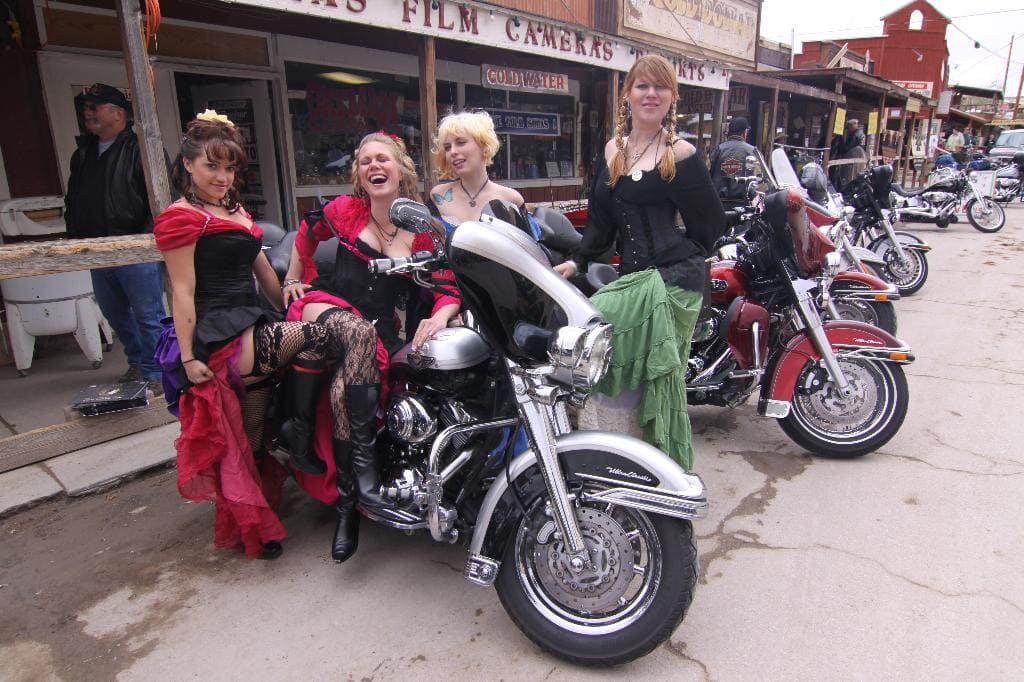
[{"x": 508, "y": 78}]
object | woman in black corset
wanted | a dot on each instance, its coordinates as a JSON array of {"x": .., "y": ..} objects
[
  {"x": 358, "y": 312},
  {"x": 647, "y": 178},
  {"x": 229, "y": 342}
]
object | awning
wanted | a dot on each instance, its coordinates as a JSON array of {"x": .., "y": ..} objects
[{"x": 769, "y": 80}]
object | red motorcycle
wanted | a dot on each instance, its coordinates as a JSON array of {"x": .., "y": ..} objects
[{"x": 837, "y": 387}]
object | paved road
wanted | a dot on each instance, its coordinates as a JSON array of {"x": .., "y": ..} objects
[{"x": 903, "y": 564}]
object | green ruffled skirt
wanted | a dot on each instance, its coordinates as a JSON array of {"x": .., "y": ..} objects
[{"x": 653, "y": 327}]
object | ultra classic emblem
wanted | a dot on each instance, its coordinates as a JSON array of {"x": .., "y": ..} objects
[{"x": 628, "y": 474}]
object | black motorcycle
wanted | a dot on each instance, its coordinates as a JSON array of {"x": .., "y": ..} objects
[
  {"x": 586, "y": 535},
  {"x": 1010, "y": 181},
  {"x": 951, "y": 192}
]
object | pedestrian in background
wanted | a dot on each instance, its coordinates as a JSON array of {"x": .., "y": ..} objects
[
  {"x": 106, "y": 197},
  {"x": 853, "y": 149},
  {"x": 728, "y": 160}
]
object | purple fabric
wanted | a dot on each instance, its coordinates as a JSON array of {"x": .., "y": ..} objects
[{"x": 168, "y": 358}]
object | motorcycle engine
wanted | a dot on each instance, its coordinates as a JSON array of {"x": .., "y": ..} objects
[
  {"x": 937, "y": 198},
  {"x": 1006, "y": 182},
  {"x": 410, "y": 419}
]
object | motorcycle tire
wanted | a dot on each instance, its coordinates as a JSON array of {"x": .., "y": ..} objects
[
  {"x": 976, "y": 215},
  {"x": 881, "y": 314},
  {"x": 632, "y": 602},
  {"x": 942, "y": 222},
  {"x": 825, "y": 423},
  {"x": 908, "y": 277}
]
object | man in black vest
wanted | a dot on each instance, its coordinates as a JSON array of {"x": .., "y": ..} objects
[
  {"x": 107, "y": 197},
  {"x": 728, "y": 160}
]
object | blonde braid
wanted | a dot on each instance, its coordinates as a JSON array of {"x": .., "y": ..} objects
[
  {"x": 617, "y": 167},
  {"x": 667, "y": 166}
]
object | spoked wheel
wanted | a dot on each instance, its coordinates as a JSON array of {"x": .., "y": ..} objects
[
  {"x": 828, "y": 423},
  {"x": 636, "y": 592},
  {"x": 986, "y": 215},
  {"x": 908, "y": 275},
  {"x": 881, "y": 314}
]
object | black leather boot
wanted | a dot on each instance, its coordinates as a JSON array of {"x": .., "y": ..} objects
[
  {"x": 303, "y": 384},
  {"x": 361, "y": 403},
  {"x": 346, "y": 531}
]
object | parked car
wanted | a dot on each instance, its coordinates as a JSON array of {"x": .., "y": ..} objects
[{"x": 1007, "y": 144}]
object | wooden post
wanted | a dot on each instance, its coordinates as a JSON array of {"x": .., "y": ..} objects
[
  {"x": 718, "y": 111},
  {"x": 879, "y": 126},
  {"x": 773, "y": 114},
  {"x": 926, "y": 164},
  {"x": 612, "y": 104},
  {"x": 900, "y": 161},
  {"x": 701, "y": 149},
  {"x": 428, "y": 108},
  {"x": 147, "y": 127},
  {"x": 827, "y": 155}
]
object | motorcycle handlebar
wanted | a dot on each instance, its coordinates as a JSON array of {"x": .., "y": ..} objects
[{"x": 403, "y": 263}]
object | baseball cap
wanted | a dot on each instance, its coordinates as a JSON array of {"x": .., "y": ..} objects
[
  {"x": 738, "y": 125},
  {"x": 101, "y": 93}
]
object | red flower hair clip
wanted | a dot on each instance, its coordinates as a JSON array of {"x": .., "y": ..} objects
[{"x": 383, "y": 132}]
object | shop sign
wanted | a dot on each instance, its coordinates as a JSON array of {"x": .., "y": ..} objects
[
  {"x": 919, "y": 87},
  {"x": 495, "y": 28},
  {"x": 527, "y": 80},
  {"x": 524, "y": 123},
  {"x": 723, "y": 26},
  {"x": 352, "y": 110},
  {"x": 945, "y": 101},
  {"x": 695, "y": 101},
  {"x": 913, "y": 105},
  {"x": 840, "y": 121}
]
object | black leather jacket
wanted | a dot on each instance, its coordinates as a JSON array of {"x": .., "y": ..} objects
[
  {"x": 734, "y": 149},
  {"x": 125, "y": 202}
]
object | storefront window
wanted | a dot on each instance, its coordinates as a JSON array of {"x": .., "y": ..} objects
[
  {"x": 333, "y": 108},
  {"x": 536, "y": 132}
]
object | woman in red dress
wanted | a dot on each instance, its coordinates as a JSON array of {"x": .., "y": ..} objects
[
  {"x": 229, "y": 342},
  {"x": 358, "y": 311}
]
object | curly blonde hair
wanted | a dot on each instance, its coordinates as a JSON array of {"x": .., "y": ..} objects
[
  {"x": 409, "y": 183},
  {"x": 477, "y": 125},
  {"x": 657, "y": 70}
]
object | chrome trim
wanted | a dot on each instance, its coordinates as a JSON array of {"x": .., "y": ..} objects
[
  {"x": 438, "y": 518},
  {"x": 481, "y": 570},
  {"x": 413, "y": 522},
  {"x": 649, "y": 499},
  {"x": 874, "y": 353},
  {"x": 674, "y": 480},
  {"x": 816, "y": 331},
  {"x": 777, "y": 409},
  {"x": 711, "y": 371},
  {"x": 867, "y": 295}
]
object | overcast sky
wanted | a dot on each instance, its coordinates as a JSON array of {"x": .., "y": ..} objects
[{"x": 830, "y": 19}]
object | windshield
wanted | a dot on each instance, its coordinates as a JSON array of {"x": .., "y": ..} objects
[
  {"x": 1011, "y": 138},
  {"x": 783, "y": 170}
]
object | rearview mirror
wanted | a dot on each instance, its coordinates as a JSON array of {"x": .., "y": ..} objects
[{"x": 411, "y": 215}]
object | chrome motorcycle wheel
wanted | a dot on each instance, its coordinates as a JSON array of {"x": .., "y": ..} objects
[
  {"x": 986, "y": 215},
  {"x": 881, "y": 314},
  {"x": 828, "y": 423},
  {"x": 908, "y": 275},
  {"x": 644, "y": 568}
]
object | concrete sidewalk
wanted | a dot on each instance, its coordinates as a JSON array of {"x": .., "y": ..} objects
[{"x": 87, "y": 470}]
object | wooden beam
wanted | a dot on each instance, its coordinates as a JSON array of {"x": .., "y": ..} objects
[
  {"x": 612, "y": 104},
  {"x": 71, "y": 255},
  {"x": 769, "y": 82},
  {"x": 773, "y": 115},
  {"x": 878, "y": 127},
  {"x": 428, "y": 107},
  {"x": 59, "y": 439},
  {"x": 718, "y": 111},
  {"x": 147, "y": 126}
]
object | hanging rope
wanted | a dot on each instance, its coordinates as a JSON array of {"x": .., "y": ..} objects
[{"x": 153, "y": 17}]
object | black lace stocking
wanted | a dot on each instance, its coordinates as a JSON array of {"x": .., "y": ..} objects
[
  {"x": 276, "y": 343},
  {"x": 352, "y": 345},
  {"x": 254, "y": 412}
]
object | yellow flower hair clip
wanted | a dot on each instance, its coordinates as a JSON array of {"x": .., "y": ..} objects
[{"x": 212, "y": 115}]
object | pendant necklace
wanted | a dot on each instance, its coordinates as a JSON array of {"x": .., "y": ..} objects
[
  {"x": 384, "y": 236},
  {"x": 472, "y": 197},
  {"x": 638, "y": 174}
]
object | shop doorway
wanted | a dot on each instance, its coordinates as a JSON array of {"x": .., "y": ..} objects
[{"x": 248, "y": 104}]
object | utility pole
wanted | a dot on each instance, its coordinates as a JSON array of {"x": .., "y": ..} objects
[
  {"x": 1016, "y": 102},
  {"x": 1006, "y": 74}
]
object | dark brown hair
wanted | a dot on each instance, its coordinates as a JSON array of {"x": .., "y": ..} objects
[{"x": 220, "y": 141}]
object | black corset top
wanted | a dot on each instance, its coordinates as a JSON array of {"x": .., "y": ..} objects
[{"x": 223, "y": 264}]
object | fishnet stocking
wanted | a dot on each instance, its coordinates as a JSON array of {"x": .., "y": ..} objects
[
  {"x": 254, "y": 412},
  {"x": 352, "y": 343},
  {"x": 276, "y": 343}
]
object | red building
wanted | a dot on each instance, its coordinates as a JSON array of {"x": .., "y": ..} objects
[{"x": 911, "y": 51}]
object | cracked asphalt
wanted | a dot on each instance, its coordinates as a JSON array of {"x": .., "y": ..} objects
[{"x": 904, "y": 564}]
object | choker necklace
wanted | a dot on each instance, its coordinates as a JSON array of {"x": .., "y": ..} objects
[
  {"x": 197, "y": 200},
  {"x": 385, "y": 237},
  {"x": 472, "y": 197}
]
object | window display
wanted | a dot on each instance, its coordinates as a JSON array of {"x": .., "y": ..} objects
[{"x": 331, "y": 109}]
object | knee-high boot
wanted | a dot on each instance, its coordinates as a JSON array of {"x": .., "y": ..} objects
[
  {"x": 305, "y": 381},
  {"x": 346, "y": 531},
  {"x": 361, "y": 403}
]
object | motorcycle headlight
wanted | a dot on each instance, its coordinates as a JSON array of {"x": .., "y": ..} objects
[
  {"x": 972, "y": 176},
  {"x": 580, "y": 357}
]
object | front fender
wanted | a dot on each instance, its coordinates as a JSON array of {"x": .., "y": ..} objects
[
  {"x": 877, "y": 288},
  {"x": 906, "y": 239},
  {"x": 866, "y": 255},
  {"x": 846, "y": 337},
  {"x": 617, "y": 460}
]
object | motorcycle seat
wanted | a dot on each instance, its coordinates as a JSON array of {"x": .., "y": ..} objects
[{"x": 898, "y": 188}]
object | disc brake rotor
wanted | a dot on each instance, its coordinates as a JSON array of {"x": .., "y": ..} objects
[
  {"x": 904, "y": 271},
  {"x": 595, "y": 589},
  {"x": 846, "y": 412}
]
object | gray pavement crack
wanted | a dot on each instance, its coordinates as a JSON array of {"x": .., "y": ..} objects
[
  {"x": 954, "y": 470},
  {"x": 679, "y": 649},
  {"x": 974, "y": 380}
]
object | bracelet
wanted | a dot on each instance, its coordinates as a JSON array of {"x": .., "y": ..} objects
[
  {"x": 289, "y": 282},
  {"x": 185, "y": 362}
]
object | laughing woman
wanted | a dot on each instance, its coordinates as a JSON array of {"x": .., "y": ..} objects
[
  {"x": 464, "y": 147},
  {"x": 358, "y": 310},
  {"x": 229, "y": 343}
]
